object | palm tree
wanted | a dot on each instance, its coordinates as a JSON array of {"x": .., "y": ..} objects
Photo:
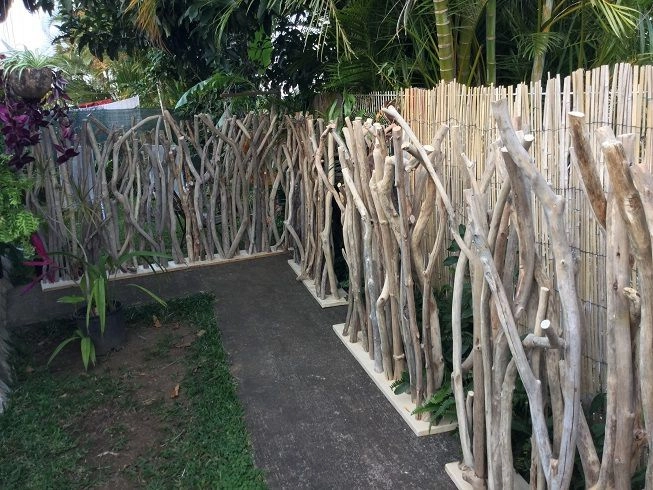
[
  {"x": 382, "y": 44},
  {"x": 591, "y": 31}
]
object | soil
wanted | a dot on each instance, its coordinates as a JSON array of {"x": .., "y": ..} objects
[{"x": 148, "y": 372}]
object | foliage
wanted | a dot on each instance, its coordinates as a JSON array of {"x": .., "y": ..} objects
[
  {"x": 44, "y": 262},
  {"x": 16, "y": 223},
  {"x": 197, "y": 40},
  {"x": 19, "y": 60},
  {"x": 300, "y": 47},
  {"x": 95, "y": 295},
  {"x": 88, "y": 77},
  {"x": 150, "y": 74},
  {"x": 19, "y": 273},
  {"x": 401, "y": 385},
  {"x": 211, "y": 96},
  {"x": 339, "y": 110},
  {"x": 441, "y": 405},
  {"x": 86, "y": 346},
  {"x": 39, "y": 446},
  {"x": 444, "y": 298}
]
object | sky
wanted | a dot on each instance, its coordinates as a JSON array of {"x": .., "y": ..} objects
[{"x": 24, "y": 30}]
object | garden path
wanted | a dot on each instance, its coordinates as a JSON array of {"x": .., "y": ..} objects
[{"x": 316, "y": 420}]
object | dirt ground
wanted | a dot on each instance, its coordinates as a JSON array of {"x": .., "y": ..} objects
[{"x": 146, "y": 382}]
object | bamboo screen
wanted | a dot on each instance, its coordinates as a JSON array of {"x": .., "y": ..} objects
[
  {"x": 620, "y": 97},
  {"x": 370, "y": 104}
]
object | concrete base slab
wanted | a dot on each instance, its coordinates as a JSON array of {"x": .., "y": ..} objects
[
  {"x": 144, "y": 270},
  {"x": 456, "y": 475},
  {"x": 402, "y": 402},
  {"x": 327, "y": 302}
]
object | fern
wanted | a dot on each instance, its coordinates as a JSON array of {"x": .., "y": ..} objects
[
  {"x": 441, "y": 405},
  {"x": 401, "y": 385},
  {"x": 16, "y": 223}
]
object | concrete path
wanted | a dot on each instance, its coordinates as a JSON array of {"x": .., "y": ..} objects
[{"x": 316, "y": 420}]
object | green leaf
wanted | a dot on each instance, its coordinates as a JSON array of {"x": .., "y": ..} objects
[
  {"x": 450, "y": 261},
  {"x": 401, "y": 385},
  {"x": 348, "y": 102},
  {"x": 101, "y": 302},
  {"x": 150, "y": 294},
  {"x": 88, "y": 351},
  {"x": 60, "y": 347},
  {"x": 72, "y": 299}
]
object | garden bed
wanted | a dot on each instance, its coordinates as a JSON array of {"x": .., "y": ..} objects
[{"x": 161, "y": 412}]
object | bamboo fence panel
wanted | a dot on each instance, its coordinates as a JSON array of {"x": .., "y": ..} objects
[
  {"x": 370, "y": 104},
  {"x": 621, "y": 100}
]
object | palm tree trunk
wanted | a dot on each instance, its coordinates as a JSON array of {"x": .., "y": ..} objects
[
  {"x": 445, "y": 40},
  {"x": 466, "y": 35},
  {"x": 538, "y": 61}
]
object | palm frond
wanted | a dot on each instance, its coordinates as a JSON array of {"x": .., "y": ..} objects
[
  {"x": 618, "y": 19},
  {"x": 147, "y": 19},
  {"x": 536, "y": 43}
]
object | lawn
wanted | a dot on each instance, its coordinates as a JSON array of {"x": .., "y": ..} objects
[{"x": 160, "y": 413}]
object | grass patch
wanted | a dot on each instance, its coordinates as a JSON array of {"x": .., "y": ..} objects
[{"x": 118, "y": 424}]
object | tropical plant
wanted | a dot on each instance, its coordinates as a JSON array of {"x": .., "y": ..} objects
[
  {"x": 367, "y": 45},
  {"x": 96, "y": 295},
  {"x": 16, "y": 222},
  {"x": 441, "y": 405},
  {"x": 88, "y": 77},
  {"x": 401, "y": 385},
  {"x": 218, "y": 94},
  {"x": 19, "y": 60},
  {"x": 23, "y": 119},
  {"x": 340, "y": 109}
]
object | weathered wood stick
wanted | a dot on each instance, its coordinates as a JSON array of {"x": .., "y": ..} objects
[
  {"x": 554, "y": 341},
  {"x": 406, "y": 293},
  {"x": 485, "y": 455},
  {"x": 536, "y": 363},
  {"x": 583, "y": 158},
  {"x": 451, "y": 214},
  {"x": 587, "y": 452},
  {"x": 389, "y": 328},
  {"x": 507, "y": 390},
  {"x": 617, "y": 273},
  {"x": 523, "y": 213},
  {"x": 631, "y": 208},
  {"x": 553, "y": 208},
  {"x": 325, "y": 234},
  {"x": 371, "y": 285},
  {"x": 531, "y": 384},
  {"x": 463, "y": 411}
]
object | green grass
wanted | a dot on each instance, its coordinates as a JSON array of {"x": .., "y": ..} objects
[
  {"x": 207, "y": 446},
  {"x": 39, "y": 433},
  {"x": 43, "y": 442}
]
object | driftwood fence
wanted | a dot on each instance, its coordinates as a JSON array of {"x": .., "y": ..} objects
[
  {"x": 310, "y": 206},
  {"x": 191, "y": 191},
  {"x": 556, "y": 247}
]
